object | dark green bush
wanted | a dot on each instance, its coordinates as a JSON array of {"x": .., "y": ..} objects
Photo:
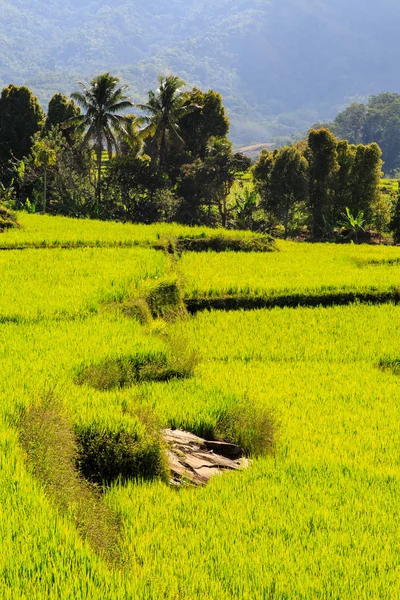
[
  {"x": 164, "y": 299},
  {"x": 225, "y": 243},
  {"x": 105, "y": 456},
  {"x": 390, "y": 364}
]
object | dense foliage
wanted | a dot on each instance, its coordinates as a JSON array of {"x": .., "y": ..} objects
[
  {"x": 92, "y": 157},
  {"x": 328, "y": 184},
  {"x": 172, "y": 162},
  {"x": 20, "y": 118}
]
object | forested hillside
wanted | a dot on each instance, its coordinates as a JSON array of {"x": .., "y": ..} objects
[
  {"x": 280, "y": 66},
  {"x": 376, "y": 121}
]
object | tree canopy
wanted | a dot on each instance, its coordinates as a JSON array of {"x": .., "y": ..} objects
[
  {"x": 102, "y": 100},
  {"x": 21, "y": 116}
]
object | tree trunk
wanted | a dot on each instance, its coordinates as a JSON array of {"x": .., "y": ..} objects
[
  {"x": 224, "y": 215},
  {"x": 98, "y": 187},
  {"x": 44, "y": 190},
  {"x": 221, "y": 211},
  {"x": 163, "y": 148},
  {"x": 286, "y": 224}
]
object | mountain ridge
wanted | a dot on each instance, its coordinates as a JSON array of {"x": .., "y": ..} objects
[{"x": 280, "y": 66}]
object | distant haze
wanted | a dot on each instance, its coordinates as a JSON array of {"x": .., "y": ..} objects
[{"x": 281, "y": 65}]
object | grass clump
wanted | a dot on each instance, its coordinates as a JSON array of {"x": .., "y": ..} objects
[
  {"x": 138, "y": 309},
  {"x": 226, "y": 243},
  {"x": 236, "y": 420},
  {"x": 390, "y": 364},
  {"x": 251, "y": 427},
  {"x": 129, "y": 370},
  {"x": 164, "y": 299},
  {"x": 106, "y": 455}
]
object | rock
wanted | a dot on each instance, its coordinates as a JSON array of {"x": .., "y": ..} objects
[
  {"x": 194, "y": 460},
  {"x": 230, "y": 450}
]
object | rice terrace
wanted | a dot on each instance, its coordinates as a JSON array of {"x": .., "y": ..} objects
[
  {"x": 100, "y": 354},
  {"x": 199, "y": 332}
]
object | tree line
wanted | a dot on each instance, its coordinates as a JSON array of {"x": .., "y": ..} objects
[
  {"x": 323, "y": 183},
  {"x": 91, "y": 156}
]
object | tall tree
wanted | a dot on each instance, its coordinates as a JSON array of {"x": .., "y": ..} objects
[
  {"x": 262, "y": 176},
  {"x": 204, "y": 185},
  {"x": 21, "y": 116},
  {"x": 102, "y": 100},
  {"x": 343, "y": 196},
  {"x": 44, "y": 154},
  {"x": 165, "y": 109},
  {"x": 366, "y": 175},
  {"x": 289, "y": 178},
  {"x": 221, "y": 166},
  {"x": 322, "y": 159}
]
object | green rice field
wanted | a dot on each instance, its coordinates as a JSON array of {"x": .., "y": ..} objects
[
  {"x": 315, "y": 516},
  {"x": 40, "y": 231},
  {"x": 389, "y": 186}
]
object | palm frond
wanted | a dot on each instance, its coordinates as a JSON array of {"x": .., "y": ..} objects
[{"x": 120, "y": 106}]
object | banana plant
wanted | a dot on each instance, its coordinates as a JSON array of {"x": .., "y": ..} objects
[
  {"x": 354, "y": 223},
  {"x": 7, "y": 194}
]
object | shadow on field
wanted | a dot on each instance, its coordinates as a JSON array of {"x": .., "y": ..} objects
[
  {"x": 336, "y": 298},
  {"x": 390, "y": 364}
]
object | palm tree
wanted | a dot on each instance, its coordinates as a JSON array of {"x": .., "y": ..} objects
[
  {"x": 102, "y": 100},
  {"x": 165, "y": 108}
]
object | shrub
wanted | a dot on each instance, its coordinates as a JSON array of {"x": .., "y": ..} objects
[
  {"x": 164, "y": 299},
  {"x": 105, "y": 455},
  {"x": 225, "y": 243},
  {"x": 249, "y": 426},
  {"x": 390, "y": 364}
]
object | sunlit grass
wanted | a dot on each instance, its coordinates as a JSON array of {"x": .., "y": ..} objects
[
  {"x": 318, "y": 518},
  {"x": 308, "y": 269},
  {"x": 51, "y": 231},
  {"x": 40, "y": 283}
]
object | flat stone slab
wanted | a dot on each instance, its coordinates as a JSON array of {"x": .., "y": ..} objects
[{"x": 194, "y": 460}]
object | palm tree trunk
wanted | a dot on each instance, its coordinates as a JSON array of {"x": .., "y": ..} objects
[
  {"x": 98, "y": 187},
  {"x": 163, "y": 145}
]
